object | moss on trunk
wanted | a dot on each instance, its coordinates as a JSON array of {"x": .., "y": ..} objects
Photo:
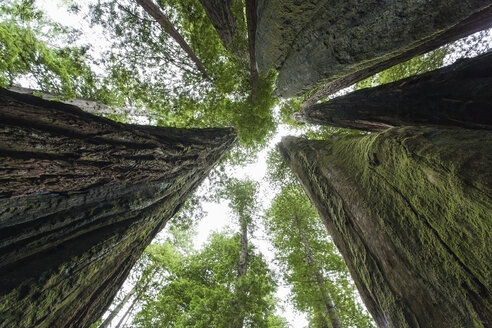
[
  {"x": 81, "y": 197},
  {"x": 409, "y": 209}
]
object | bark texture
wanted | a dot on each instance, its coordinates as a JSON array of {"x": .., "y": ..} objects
[
  {"x": 251, "y": 18},
  {"x": 80, "y": 198},
  {"x": 220, "y": 14},
  {"x": 337, "y": 43},
  {"x": 455, "y": 96},
  {"x": 409, "y": 210}
]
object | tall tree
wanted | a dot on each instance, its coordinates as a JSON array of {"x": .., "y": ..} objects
[
  {"x": 153, "y": 10},
  {"x": 408, "y": 210},
  {"x": 81, "y": 197},
  {"x": 456, "y": 96},
  {"x": 320, "y": 281},
  {"x": 200, "y": 290}
]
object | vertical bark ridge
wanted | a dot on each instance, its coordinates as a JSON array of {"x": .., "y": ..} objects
[
  {"x": 408, "y": 209},
  {"x": 81, "y": 197}
]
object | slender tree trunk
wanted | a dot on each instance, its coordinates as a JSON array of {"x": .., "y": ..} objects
[
  {"x": 457, "y": 96},
  {"x": 154, "y": 11},
  {"x": 87, "y": 105},
  {"x": 118, "y": 308},
  {"x": 408, "y": 209},
  {"x": 251, "y": 8},
  {"x": 243, "y": 258},
  {"x": 128, "y": 312},
  {"x": 80, "y": 198},
  {"x": 330, "y": 310}
]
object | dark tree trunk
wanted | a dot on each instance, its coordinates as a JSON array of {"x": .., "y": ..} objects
[
  {"x": 455, "y": 96},
  {"x": 153, "y": 10},
  {"x": 335, "y": 43},
  {"x": 329, "y": 309},
  {"x": 409, "y": 210},
  {"x": 220, "y": 14},
  {"x": 251, "y": 8},
  {"x": 80, "y": 198}
]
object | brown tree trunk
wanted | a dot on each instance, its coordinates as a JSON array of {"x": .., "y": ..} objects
[
  {"x": 329, "y": 308},
  {"x": 455, "y": 96},
  {"x": 251, "y": 7},
  {"x": 80, "y": 198},
  {"x": 331, "y": 44},
  {"x": 409, "y": 210},
  {"x": 153, "y": 10},
  {"x": 220, "y": 14}
]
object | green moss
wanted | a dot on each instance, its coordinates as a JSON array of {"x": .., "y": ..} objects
[{"x": 429, "y": 191}]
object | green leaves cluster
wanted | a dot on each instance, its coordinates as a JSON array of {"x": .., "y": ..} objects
[
  {"x": 29, "y": 51},
  {"x": 199, "y": 290}
]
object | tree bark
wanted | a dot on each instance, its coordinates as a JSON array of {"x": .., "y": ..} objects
[
  {"x": 251, "y": 8},
  {"x": 87, "y": 105},
  {"x": 80, "y": 198},
  {"x": 154, "y": 11},
  {"x": 220, "y": 14},
  {"x": 329, "y": 308},
  {"x": 331, "y": 44},
  {"x": 408, "y": 209},
  {"x": 457, "y": 96}
]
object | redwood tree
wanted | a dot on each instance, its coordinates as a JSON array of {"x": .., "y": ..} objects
[
  {"x": 81, "y": 197},
  {"x": 409, "y": 210}
]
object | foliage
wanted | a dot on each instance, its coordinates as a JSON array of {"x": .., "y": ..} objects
[
  {"x": 143, "y": 60},
  {"x": 289, "y": 209},
  {"x": 29, "y": 50},
  {"x": 198, "y": 290}
]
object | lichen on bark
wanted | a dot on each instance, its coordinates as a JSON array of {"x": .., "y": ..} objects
[
  {"x": 409, "y": 209},
  {"x": 81, "y": 197}
]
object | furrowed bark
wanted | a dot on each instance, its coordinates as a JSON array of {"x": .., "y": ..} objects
[
  {"x": 80, "y": 198},
  {"x": 251, "y": 8},
  {"x": 457, "y": 96},
  {"x": 220, "y": 14},
  {"x": 332, "y": 44},
  {"x": 409, "y": 210},
  {"x": 153, "y": 10}
]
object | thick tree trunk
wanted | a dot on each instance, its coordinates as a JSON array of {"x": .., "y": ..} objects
[
  {"x": 337, "y": 43},
  {"x": 251, "y": 8},
  {"x": 220, "y": 14},
  {"x": 329, "y": 308},
  {"x": 455, "y": 96},
  {"x": 80, "y": 198},
  {"x": 409, "y": 210},
  {"x": 153, "y": 10}
]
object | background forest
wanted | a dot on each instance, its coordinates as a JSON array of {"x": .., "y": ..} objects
[{"x": 248, "y": 249}]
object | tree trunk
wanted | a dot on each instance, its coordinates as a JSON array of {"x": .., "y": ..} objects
[
  {"x": 334, "y": 43},
  {"x": 243, "y": 257},
  {"x": 220, "y": 14},
  {"x": 125, "y": 316},
  {"x": 87, "y": 105},
  {"x": 251, "y": 7},
  {"x": 118, "y": 308},
  {"x": 154, "y": 11},
  {"x": 455, "y": 96},
  {"x": 409, "y": 210},
  {"x": 80, "y": 198},
  {"x": 330, "y": 310}
]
